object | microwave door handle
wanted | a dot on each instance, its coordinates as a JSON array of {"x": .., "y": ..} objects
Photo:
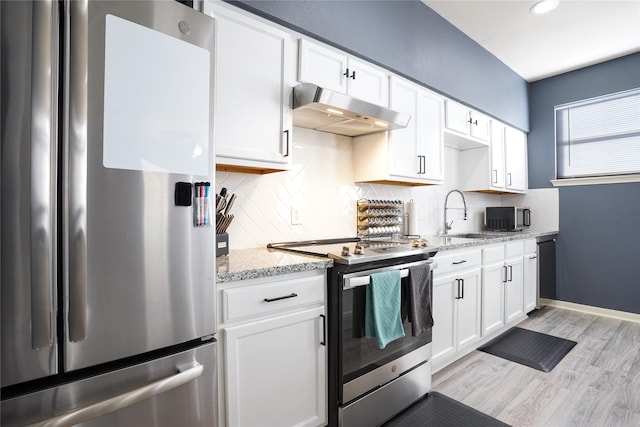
[
  {"x": 43, "y": 155},
  {"x": 526, "y": 217},
  {"x": 75, "y": 140}
]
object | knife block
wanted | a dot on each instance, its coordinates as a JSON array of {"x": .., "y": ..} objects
[{"x": 222, "y": 244}]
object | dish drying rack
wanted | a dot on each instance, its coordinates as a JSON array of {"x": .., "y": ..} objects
[{"x": 380, "y": 218}]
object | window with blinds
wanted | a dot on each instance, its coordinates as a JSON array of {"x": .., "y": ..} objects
[{"x": 599, "y": 136}]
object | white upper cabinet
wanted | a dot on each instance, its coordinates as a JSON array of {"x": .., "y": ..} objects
[
  {"x": 501, "y": 167},
  {"x": 410, "y": 156},
  {"x": 252, "y": 116},
  {"x": 464, "y": 127},
  {"x": 515, "y": 155},
  {"x": 335, "y": 70}
]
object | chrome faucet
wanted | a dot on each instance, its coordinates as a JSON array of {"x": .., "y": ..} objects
[{"x": 447, "y": 226}]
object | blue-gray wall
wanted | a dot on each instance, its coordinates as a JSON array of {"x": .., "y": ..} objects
[
  {"x": 410, "y": 39},
  {"x": 598, "y": 250}
]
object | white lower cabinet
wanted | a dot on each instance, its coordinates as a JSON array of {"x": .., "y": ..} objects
[
  {"x": 492, "y": 298},
  {"x": 456, "y": 305},
  {"x": 513, "y": 290},
  {"x": 502, "y": 286},
  {"x": 274, "y": 356},
  {"x": 479, "y": 293}
]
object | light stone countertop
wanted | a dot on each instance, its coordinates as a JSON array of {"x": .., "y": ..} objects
[
  {"x": 458, "y": 240},
  {"x": 243, "y": 264}
]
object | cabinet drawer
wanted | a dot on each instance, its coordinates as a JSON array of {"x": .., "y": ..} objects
[
  {"x": 493, "y": 254},
  {"x": 255, "y": 300},
  {"x": 451, "y": 262},
  {"x": 513, "y": 249}
]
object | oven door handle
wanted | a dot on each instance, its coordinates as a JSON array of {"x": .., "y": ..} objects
[
  {"x": 364, "y": 280},
  {"x": 354, "y": 282}
]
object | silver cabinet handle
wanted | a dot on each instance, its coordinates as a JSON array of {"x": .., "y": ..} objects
[
  {"x": 44, "y": 129},
  {"x": 459, "y": 262},
  {"x": 494, "y": 172},
  {"x": 504, "y": 270},
  {"x": 533, "y": 257},
  {"x": 123, "y": 400},
  {"x": 511, "y": 273},
  {"x": 75, "y": 140},
  {"x": 509, "y": 175}
]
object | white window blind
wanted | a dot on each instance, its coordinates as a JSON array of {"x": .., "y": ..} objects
[{"x": 599, "y": 136}]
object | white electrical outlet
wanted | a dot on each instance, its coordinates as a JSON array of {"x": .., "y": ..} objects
[{"x": 296, "y": 216}]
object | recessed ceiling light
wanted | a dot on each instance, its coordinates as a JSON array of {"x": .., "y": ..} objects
[{"x": 543, "y": 6}]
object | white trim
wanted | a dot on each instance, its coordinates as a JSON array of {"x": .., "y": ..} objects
[
  {"x": 598, "y": 311},
  {"x": 612, "y": 179}
]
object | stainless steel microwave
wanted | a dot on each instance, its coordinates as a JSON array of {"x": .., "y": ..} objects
[{"x": 506, "y": 218}]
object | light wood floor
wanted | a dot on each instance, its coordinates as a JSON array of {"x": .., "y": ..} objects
[{"x": 596, "y": 384}]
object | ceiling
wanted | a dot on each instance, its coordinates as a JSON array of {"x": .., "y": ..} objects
[{"x": 576, "y": 34}]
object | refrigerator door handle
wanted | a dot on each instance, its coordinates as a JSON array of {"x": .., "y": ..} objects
[
  {"x": 75, "y": 140},
  {"x": 43, "y": 155},
  {"x": 123, "y": 400}
]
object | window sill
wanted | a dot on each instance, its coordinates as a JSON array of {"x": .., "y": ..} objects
[{"x": 595, "y": 180}]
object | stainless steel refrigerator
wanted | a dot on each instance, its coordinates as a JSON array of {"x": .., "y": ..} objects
[{"x": 108, "y": 277}]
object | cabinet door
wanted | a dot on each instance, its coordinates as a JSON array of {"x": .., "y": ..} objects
[
  {"x": 403, "y": 158},
  {"x": 513, "y": 290},
  {"x": 479, "y": 126},
  {"x": 493, "y": 277},
  {"x": 251, "y": 83},
  {"x": 497, "y": 155},
  {"x": 276, "y": 371},
  {"x": 530, "y": 281},
  {"x": 444, "y": 291},
  {"x": 515, "y": 146},
  {"x": 468, "y": 309},
  {"x": 369, "y": 83},
  {"x": 430, "y": 143},
  {"x": 322, "y": 66},
  {"x": 456, "y": 117}
]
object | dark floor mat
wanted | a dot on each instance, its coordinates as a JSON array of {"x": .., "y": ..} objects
[
  {"x": 439, "y": 410},
  {"x": 534, "y": 349}
]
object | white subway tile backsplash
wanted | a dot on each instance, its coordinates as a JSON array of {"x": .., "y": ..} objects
[{"x": 320, "y": 184}]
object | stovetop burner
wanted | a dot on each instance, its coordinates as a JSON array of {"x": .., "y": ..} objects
[{"x": 354, "y": 250}]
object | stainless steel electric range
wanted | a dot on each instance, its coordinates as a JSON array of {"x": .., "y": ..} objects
[{"x": 369, "y": 385}]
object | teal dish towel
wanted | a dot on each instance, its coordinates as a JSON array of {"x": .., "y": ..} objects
[{"x": 382, "y": 308}]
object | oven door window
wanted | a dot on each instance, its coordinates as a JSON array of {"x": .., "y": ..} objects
[{"x": 360, "y": 354}]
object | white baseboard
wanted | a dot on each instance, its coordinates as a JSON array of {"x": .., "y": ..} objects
[{"x": 598, "y": 311}]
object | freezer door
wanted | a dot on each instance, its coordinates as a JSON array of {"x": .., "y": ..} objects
[
  {"x": 28, "y": 189},
  {"x": 179, "y": 390},
  {"x": 138, "y": 275}
]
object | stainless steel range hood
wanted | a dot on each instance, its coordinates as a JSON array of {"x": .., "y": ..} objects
[{"x": 333, "y": 112}]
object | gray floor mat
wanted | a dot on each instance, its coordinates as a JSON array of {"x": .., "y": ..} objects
[
  {"x": 438, "y": 410},
  {"x": 530, "y": 348}
]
